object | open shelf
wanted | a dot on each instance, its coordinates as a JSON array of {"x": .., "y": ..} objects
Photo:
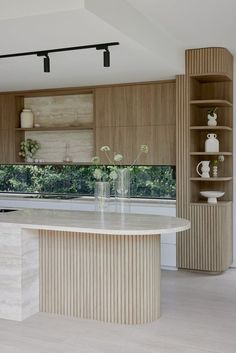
[
  {"x": 211, "y": 153},
  {"x": 211, "y": 179},
  {"x": 59, "y": 128},
  {"x": 211, "y": 77},
  {"x": 211, "y": 103},
  {"x": 207, "y": 127}
]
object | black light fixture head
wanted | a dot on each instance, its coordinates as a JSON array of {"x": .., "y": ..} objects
[
  {"x": 106, "y": 58},
  {"x": 46, "y": 59},
  {"x": 46, "y": 63}
]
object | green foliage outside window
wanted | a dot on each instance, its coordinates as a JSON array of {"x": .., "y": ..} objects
[{"x": 146, "y": 181}]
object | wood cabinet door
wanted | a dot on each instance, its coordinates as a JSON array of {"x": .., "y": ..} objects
[
  {"x": 130, "y": 115},
  {"x": 7, "y": 128}
]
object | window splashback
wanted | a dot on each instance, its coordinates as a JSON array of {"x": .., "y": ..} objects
[{"x": 146, "y": 181}]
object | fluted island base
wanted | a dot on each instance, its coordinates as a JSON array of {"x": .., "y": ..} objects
[{"x": 112, "y": 278}]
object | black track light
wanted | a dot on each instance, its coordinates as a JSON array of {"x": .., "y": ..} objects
[
  {"x": 46, "y": 63},
  {"x": 46, "y": 59},
  {"x": 106, "y": 58}
]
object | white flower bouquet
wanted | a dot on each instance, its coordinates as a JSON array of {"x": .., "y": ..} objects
[{"x": 114, "y": 159}]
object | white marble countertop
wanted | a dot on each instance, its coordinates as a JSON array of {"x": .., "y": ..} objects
[{"x": 94, "y": 222}]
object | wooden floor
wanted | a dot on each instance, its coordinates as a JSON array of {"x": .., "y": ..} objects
[{"x": 198, "y": 316}]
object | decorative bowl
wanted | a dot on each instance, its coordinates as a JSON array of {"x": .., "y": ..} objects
[{"x": 212, "y": 195}]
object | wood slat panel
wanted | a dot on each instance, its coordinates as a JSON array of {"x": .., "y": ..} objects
[
  {"x": 210, "y": 240},
  {"x": 101, "y": 277},
  {"x": 204, "y": 61},
  {"x": 7, "y": 128},
  {"x": 127, "y": 116},
  {"x": 127, "y": 141},
  {"x": 182, "y": 165}
]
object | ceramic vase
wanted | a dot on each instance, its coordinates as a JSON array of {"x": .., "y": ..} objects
[
  {"x": 215, "y": 171},
  {"x": 211, "y": 143},
  {"x": 205, "y": 169},
  {"x": 212, "y": 119},
  {"x": 26, "y": 119}
]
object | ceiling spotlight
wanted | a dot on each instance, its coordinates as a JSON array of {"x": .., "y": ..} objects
[
  {"x": 106, "y": 58},
  {"x": 46, "y": 63}
]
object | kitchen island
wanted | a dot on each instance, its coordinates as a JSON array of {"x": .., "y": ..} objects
[{"x": 92, "y": 265}]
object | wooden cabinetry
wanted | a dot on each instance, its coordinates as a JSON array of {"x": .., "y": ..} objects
[
  {"x": 208, "y": 83},
  {"x": 126, "y": 116},
  {"x": 130, "y": 115},
  {"x": 7, "y": 128}
]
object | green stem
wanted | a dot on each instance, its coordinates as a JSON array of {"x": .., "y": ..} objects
[{"x": 138, "y": 156}]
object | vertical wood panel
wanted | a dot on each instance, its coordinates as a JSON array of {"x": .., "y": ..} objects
[
  {"x": 204, "y": 61},
  {"x": 7, "y": 128},
  {"x": 130, "y": 115},
  {"x": 211, "y": 237},
  {"x": 102, "y": 277},
  {"x": 183, "y": 242}
]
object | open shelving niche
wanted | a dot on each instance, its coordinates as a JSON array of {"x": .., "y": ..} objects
[
  {"x": 65, "y": 119},
  {"x": 207, "y": 91}
]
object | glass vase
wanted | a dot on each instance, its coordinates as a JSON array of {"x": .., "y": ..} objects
[
  {"x": 122, "y": 185},
  {"x": 102, "y": 194}
]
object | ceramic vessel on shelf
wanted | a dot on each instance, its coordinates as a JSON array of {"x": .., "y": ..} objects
[
  {"x": 215, "y": 171},
  {"x": 212, "y": 119},
  {"x": 205, "y": 169},
  {"x": 211, "y": 143},
  {"x": 123, "y": 183},
  {"x": 212, "y": 195},
  {"x": 102, "y": 194},
  {"x": 26, "y": 119}
]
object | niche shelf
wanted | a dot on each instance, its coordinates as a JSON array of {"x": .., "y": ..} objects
[
  {"x": 211, "y": 103},
  {"x": 206, "y": 127}
]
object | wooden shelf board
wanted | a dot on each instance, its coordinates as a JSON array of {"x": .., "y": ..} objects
[
  {"x": 54, "y": 163},
  {"x": 211, "y": 153},
  {"x": 205, "y": 203},
  {"x": 211, "y": 77},
  {"x": 206, "y": 127},
  {"x": 211, "y": 179},
  {"x": 59, "y": 128},
  {"x": 211, "y": 103}
]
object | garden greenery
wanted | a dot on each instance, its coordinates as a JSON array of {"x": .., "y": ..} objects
[{"x": 146, "y": 181}]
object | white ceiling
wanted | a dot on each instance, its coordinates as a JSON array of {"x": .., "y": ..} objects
[{"x": 153, "y": 35}]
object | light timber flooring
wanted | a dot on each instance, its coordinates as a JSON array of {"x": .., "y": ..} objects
[{"x": 198, "y": 316}]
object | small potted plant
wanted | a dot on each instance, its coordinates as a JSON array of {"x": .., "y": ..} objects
[
  {"x": 212, "y": 116},
  {"x": 28, "y": 148}
]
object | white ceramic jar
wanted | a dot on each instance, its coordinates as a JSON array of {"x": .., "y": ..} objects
[
  {"x": 26, "y": 119},
  {"x": 211, "y": 143}
]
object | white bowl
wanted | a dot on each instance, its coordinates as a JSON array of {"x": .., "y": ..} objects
[{"x": 212, "y": 195}]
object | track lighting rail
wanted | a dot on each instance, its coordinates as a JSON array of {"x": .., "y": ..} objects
[{"x": 44, "y": 53}]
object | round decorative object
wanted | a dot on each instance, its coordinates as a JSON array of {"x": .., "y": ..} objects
[
  {"x": 211, "y": 143},
  {"x": 212, "y": 119},
  {"x": 26, "y": 119},
  {"x": 212, "y": 195}
]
